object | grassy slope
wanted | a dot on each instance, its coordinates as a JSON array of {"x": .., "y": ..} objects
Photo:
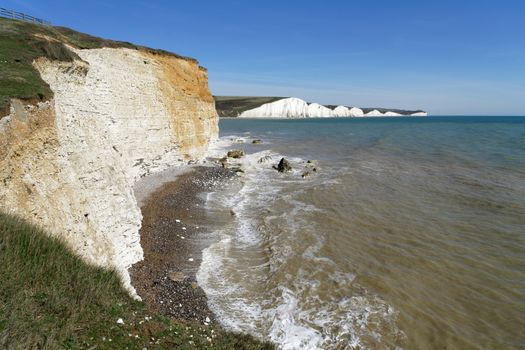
[
  {"x": 50, "y": 299},
  {"x": 232, "y": 106},
  {"x": 22, "y": 42}
]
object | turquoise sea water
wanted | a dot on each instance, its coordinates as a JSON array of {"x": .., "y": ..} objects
[{"x": 409, "y": 234}]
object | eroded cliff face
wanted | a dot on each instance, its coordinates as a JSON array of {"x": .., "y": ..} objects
[{"x": 69, "y": 164}]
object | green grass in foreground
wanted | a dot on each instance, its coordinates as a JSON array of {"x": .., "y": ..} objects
[{"x": 51, "y": 299}]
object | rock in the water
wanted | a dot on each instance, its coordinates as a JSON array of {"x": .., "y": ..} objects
[
  {"x": 305, "y": 174},
  {"x": 235, "y": 153},
  {"x": 237, "y": 170},
  {"x": 256, "y": 141},
  {"x": 223, "y": 161},
  {"x": 265, "y": 159},
  {"x": 283, "y": 166}
]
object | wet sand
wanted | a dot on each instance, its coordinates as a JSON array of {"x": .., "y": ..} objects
[{"x": 173, "y": 217}]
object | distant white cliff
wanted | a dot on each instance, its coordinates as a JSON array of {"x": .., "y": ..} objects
[
  {"x": 285, "y": 108},
  {"x": 374, "y": 113},
  {"x": 317, "y": 109},
  {"x": 294, "y": 107}
]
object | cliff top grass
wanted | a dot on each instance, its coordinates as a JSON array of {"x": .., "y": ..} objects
[
  {"x": 51, "y": 299},
  {"x": 22, "y": 42}
]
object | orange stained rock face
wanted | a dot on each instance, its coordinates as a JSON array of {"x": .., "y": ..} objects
[
  {"x": 188, "y": 99},
  {"x": 25, "y": 141}
]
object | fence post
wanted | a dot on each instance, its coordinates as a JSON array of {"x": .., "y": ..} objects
[{"x": 21, "y": 16}]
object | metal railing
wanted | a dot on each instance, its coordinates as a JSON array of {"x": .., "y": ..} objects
[{"x": 21, "y": 16}]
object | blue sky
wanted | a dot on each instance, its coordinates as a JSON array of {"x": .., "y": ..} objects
[{"x": 448, "y": 57}]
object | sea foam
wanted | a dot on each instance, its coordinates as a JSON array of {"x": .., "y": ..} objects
[{"x": 263, "y": 273}]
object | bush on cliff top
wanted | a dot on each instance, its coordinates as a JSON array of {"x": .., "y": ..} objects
[
  {"x": 22, "y": 42},
  {"x": 51, "y": 299}
]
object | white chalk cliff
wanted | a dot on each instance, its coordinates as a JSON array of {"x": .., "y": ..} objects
[
  {"x": 285, "y": 108},
  {"x": 374, "y": 113},
  {"x": 318, "y": 110},
  {"x": 294, "y": 107},
  {"x": 393, "y": 114},
  {"x": 69, "y": 164}
]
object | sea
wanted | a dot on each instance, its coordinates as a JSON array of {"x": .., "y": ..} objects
[{"x": 388, "y": 233}]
